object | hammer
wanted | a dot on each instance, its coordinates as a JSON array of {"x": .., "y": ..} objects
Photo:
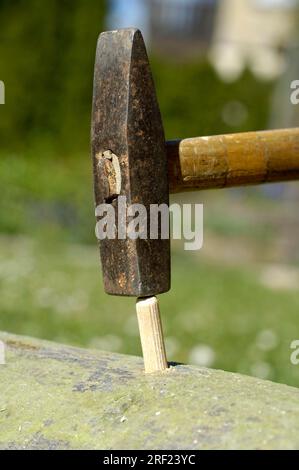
[{"x": 132, "y": 164}]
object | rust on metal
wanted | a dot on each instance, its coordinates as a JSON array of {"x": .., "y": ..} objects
[{"x": 129, "y": 159}]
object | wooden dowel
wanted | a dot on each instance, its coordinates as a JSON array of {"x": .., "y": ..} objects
[
  {"x": 151, "y": 334},
  {"x": 224, "y": 161}
]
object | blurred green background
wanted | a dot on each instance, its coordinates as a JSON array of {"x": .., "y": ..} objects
[{"x": 234, "y": 304}]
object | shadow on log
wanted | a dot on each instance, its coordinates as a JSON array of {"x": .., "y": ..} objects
[{"x": 60, "y": 397}]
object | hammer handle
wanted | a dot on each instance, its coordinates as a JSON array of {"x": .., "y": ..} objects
[{"x": 233, "y": 160}]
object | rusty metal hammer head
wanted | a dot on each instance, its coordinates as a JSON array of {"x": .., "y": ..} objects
[{"x": 129, "y": 159}]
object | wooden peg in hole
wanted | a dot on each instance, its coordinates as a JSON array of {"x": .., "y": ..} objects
[{"x": 151, "y": 334}]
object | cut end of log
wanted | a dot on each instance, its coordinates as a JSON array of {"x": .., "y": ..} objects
[{"x": 151, "y": 334}]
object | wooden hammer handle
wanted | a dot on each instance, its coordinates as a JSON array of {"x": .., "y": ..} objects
[{"x": 233, "y": 160}]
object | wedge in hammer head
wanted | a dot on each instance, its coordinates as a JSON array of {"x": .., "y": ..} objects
[{"x": 129, "y": 159}]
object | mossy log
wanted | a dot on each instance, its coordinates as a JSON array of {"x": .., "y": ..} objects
[{"x": 60, "y": 397}]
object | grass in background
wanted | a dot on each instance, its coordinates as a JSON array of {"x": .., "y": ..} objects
[
  {"x": 222, "y": 310},
  {"x": 219, "y": 316}
]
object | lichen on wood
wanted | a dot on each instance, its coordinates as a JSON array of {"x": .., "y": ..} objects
[{"x": 60, "y": 397}]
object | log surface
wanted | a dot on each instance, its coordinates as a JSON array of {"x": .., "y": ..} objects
[{"x": 59, "y": 397}]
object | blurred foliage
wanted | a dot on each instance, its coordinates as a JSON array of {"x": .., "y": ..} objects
[
  {"x": 193, "y": 100},
  {"x": 46, "y": 62},
  {"x": 52, "y": 288},
  {"x": 42, "y": 192}
]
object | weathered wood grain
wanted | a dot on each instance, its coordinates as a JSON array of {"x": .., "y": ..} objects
[
  {"x": 233, "y": 160},
  {"x": 151, "y": 334},
  {"x": 58, "y": 397}
]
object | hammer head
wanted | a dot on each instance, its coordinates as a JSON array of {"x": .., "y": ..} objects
[{"x": 129, "y": 159}]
